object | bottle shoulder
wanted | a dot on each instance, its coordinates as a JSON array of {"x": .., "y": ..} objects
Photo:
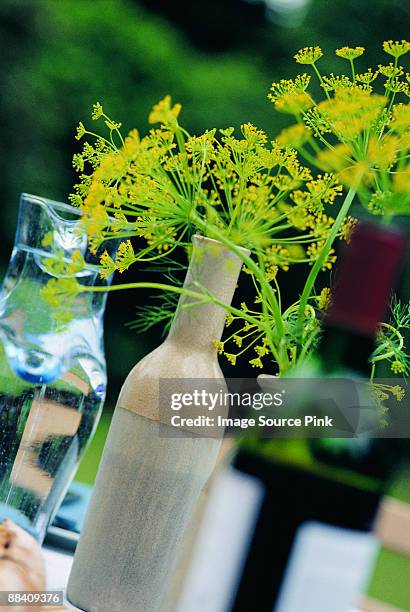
[
  {"x": 141, "y": 390},
  {"x": 173, "y": 360}
]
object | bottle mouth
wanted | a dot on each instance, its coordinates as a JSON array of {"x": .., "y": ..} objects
[{"x": 204, "y": 239}]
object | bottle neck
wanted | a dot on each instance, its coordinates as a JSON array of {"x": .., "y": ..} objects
[{"x": 215, "y": 269}]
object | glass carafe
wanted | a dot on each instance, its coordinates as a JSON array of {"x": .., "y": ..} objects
[{"x": 52, "y": 368}]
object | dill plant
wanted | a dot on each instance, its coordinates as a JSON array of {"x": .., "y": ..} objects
[
  {"x": 278, "y": 198},
  {"x": 359, "y": 131},
  {"x": 163, "y": 187}
]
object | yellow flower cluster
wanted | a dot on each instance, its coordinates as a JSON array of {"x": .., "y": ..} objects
[
  {"x": 308, "y": 55},
  {"x": 157, "y": 186},
  {"x": 151, "y": 192},
  {"x": 164, "y": 112},
  {"x": 350, "y": 53},
  {"x": 360, "y": 131},
  {"x": 396, "y": 48}
]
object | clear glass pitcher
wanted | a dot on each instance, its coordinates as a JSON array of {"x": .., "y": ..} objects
[{"x": 52, "y": 373}]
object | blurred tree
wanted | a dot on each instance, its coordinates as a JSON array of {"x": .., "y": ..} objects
[
  {"x": 78, "y": 52},
  {"x": 217, "y": 58},
  {"x": 213, "y": 25},
  {"x": 62, "y": 57}
]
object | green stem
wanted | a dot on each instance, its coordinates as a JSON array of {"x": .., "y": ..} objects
[
  {"x": 249, "y": 262},
  {"x": 309, "y": 158},
  {"x": 353, "y": 71},
  {"x": 390, "y": 353},
  {"x": 277, "y": 354},
  {"x": 307, "y": 290},
  {"x": 321, "y": 80},
  {"x": 307, "y": 345},
  {"x": 174, "y": 289}
]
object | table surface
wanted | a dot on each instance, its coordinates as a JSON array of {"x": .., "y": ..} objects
[{"x": 58, "y": 566}]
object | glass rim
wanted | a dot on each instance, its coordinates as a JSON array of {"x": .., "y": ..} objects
[{"x": 51, "y": 205}]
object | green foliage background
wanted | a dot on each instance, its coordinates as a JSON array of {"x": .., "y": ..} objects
[{"x": 217, "y": 58}]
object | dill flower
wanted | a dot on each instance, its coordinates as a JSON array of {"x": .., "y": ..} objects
[
  {"x": 350, "y": 53},
  {"x": 164, "y": 112},
  {"x": 333, "y": 83},
  {"x": 294, "y": 136},
  {"x": 78, "y": 162},
  {"x": 125, "y": 256},
  {"x": 229, "y": 319},
  {"x": 380, "y": 394},
  {"x": 252, "y": 135},
  {"x": 220, "y": 346},
  {"x": 396, "y": 48},
  {"x": 324, "y": 299},
  {"x": 288, "y": 86},
  {"x": 351, "y": 111},
  {"x": 324, "y": 190},
  {"x": 397, "y": 367},
  {"x": 231, "y": 358},
  {"x": 60, "y": 291},
  {"x": 80, "y": 131},
  {"x": 308, "y": 55},
  {"x": 313, "y": 250},
  {"x": 277, "y": 256},
  {"x": 108, "y": 265},
  {"x": 97, "y": 111},
  {"x": 398, "y": 392},
  {"x": 256, "y": 363},
  {"x": 382, "y": 152},
  {"x": 262, "y": 349},
  {"x": 237, "y": 340},
  {"x": 377, "y": 202},
  {"x": 316, "y": 122},
  {"x": 294, "y": 103},
  {"x": 358, "y": 119},
  {"x": 347, "y": 228},
  {"x": 397, "y": 86},
  {"x": 390, "y": 70},
  {"x": 321, "y": 224},
  {"x": 401, "y": 180},
  {"x": 298, "y": 216},
  {"x": 367, "y": 77}
]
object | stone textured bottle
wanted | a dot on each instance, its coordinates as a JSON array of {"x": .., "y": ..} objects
[{"x": 148, "y": 484}]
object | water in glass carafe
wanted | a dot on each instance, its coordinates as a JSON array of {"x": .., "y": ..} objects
[{"x": 52, "y": 374}]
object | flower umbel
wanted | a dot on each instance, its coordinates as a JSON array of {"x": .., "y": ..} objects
[
  {"x": 350, "y": 53},
  {"x": 396, "y": 48},
  {"x": 308, "y": 55}
]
